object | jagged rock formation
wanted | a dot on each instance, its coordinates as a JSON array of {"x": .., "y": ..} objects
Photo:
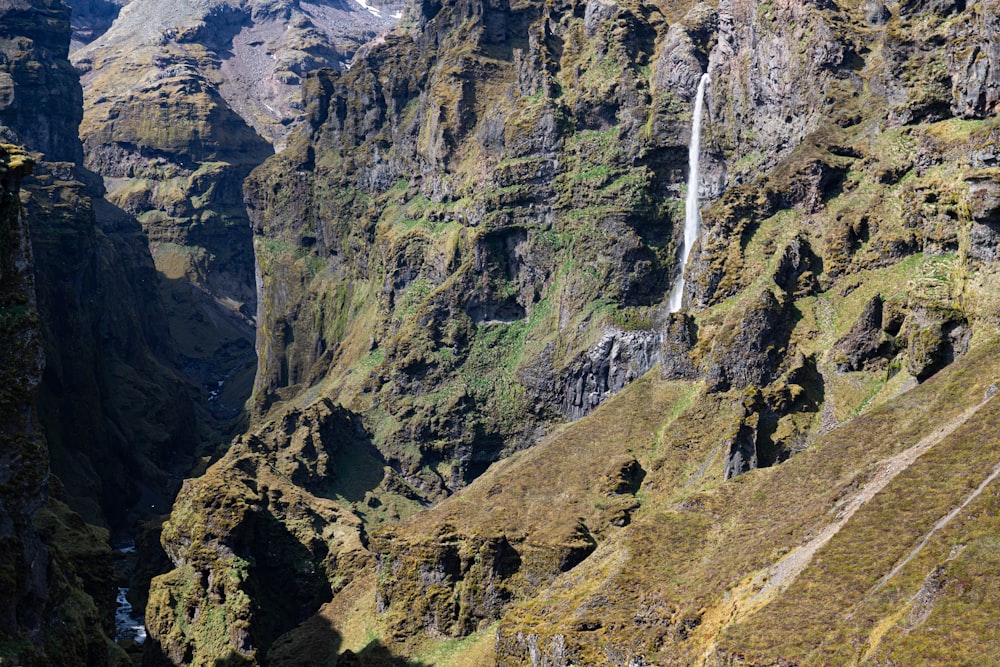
[
  {"x": 864, "y": 341},
  {"x": 91, "y": 19}
]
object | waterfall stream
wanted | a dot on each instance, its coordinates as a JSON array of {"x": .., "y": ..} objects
[
  {"x": 692, "y": 214},
  {"x": 129, "y": 624}
]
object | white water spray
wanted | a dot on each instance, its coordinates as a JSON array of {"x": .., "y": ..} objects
[{"x": 692, "y": 213}]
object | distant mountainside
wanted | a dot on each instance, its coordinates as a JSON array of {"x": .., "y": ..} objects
[{"x": 183, "y": 99}]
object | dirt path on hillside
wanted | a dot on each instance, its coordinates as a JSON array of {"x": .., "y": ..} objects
[
  {"x": 761, "y": 588},
  {"x": 785, "y": 571}
]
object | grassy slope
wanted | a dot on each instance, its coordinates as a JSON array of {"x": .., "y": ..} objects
[{"x": 672, "y": 585}]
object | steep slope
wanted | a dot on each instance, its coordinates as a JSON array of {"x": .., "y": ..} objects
[
  {"x": 470, "y": 242},
  {"x": 712, "y": 574},
  {"x": 678, "y": 577},
  {"x": 110, "y": 401}
]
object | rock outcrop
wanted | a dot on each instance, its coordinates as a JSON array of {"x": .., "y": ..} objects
[
  {"x": 617, "y": 359},
  {"x": 268, "y": 550},
  {"x": 750, "y": 350},
  {"x": 679, "y": 337},
  {"x": 863, "y": 341},
  {"x": 92, "y": 18}
]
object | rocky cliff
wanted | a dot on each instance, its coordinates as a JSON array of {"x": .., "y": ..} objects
[
  {"x": 110, "y": 399},
  {"x": 484, "y": 245},
  {"x": 56, "y": 570},
  {"x": 462, "y": 259},
  {"x": 25, "y": 463}
]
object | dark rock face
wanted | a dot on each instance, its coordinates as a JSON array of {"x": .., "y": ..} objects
[
  {"x": 756, "y": 97},
  {"x": 56, "y": 592},
  {"x": 684, "y": 56},
  {"x": 750, "y": 354},
  {"x": 24, "y": 460},
  {"x": 92, "y": 18},
  {"x": 797, "y": 269},
  {"x": 46, "y": 120},
  {"x": 741, "y": 450},
  {"x": 926, "y": 82},
  {"x": 617, "y": 359},
  {"x": 864, "y": 341},
  {"x": 679, "y": 338},
  {"x": 984, "y": 197},
  {"x": 108, "y": 398}
]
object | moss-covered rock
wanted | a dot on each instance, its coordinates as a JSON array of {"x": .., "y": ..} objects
[{"x": 255, "y": 553}]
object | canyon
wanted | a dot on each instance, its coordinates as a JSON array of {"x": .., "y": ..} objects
[{"x": 390, "y": 335}]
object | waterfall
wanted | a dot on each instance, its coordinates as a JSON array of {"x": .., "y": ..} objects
[{"x": 692, "y": 214}]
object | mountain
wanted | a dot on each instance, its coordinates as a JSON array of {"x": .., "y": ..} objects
[
  {"x": 479, "y": 437},
  {"x": 477, "y": 434},
  {"x": 183, "y": 100}
]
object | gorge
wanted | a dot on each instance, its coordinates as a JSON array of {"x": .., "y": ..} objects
[{"x": 450, "y": 333}]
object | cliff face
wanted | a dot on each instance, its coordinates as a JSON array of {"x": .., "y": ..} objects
[
  {"x": 273, "y": 504},
  {"x": 485, "y": 243},
  {"x": 34, "y": 33},
  {"x": 114, "y": 417},
  {"x": 109, "y": 399},
  {"x": 56, "y": 591},
  {"x": 470, "y": 241},
  {"x": 24, "y": 466}
]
